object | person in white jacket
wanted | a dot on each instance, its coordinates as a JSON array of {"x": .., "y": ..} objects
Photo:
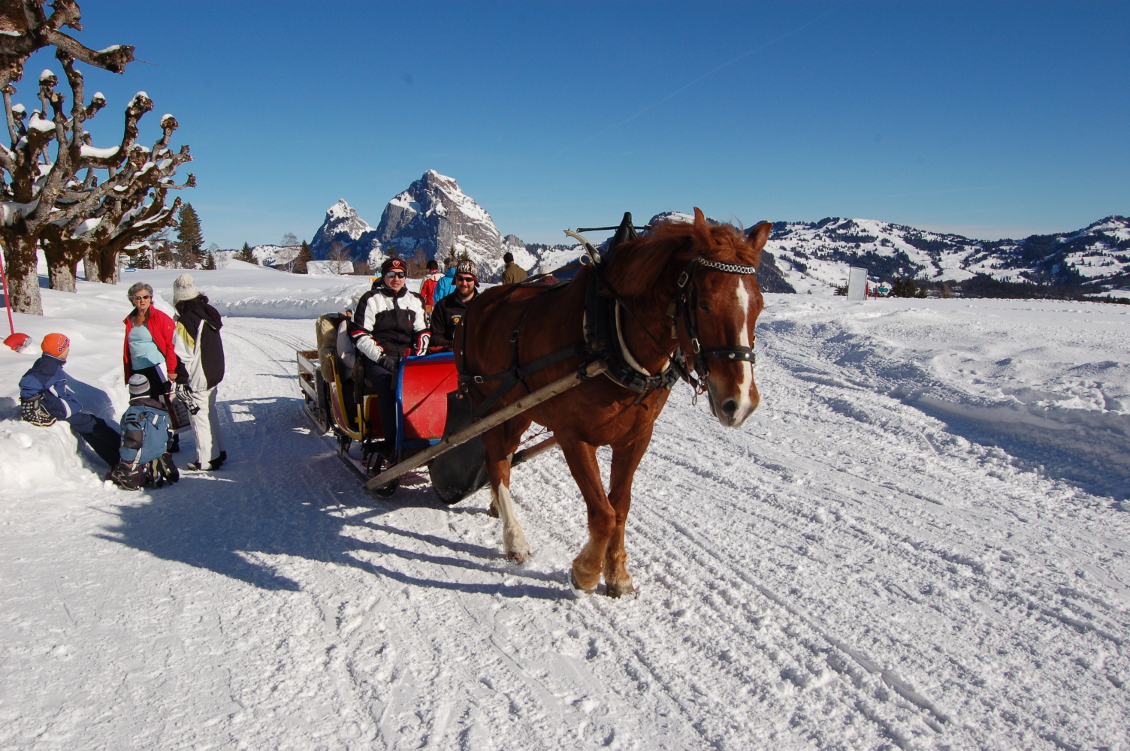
[
  {"x": 200, "y": 368},
  {"x": 388, "y": 325}
]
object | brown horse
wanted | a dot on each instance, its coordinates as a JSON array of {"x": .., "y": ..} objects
[{"x": 680, "y": 286}]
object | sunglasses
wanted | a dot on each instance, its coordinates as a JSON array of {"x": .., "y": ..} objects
[
  {"x": 141, "y": 297},
  {"x": 464, "y": 278},
  {"x": 395, "y": 275}
]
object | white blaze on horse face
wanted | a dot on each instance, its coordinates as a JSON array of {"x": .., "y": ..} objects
[
  {"x": 745, "y": 339},
  {"x": 744, "y": 387}
]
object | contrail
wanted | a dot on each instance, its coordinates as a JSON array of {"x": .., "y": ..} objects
[{"x": 707, "y": 74}]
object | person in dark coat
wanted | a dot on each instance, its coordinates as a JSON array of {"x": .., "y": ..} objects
[
  {"x": 200, "y": 368},
  {"x": 45, "y": 398},
  {"x": 450, "y": 310}
]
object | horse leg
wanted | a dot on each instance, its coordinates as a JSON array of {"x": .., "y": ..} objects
[
  {"x": 581, "y": 458},
  {"x": 500, "y": 444},
  {"x": 625, "y": 460}
]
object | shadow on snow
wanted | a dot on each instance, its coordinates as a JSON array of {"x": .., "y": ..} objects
[{"x": 284, "y": 493}]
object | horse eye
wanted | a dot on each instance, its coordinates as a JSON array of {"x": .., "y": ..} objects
[{"x": 704, "y": 306}]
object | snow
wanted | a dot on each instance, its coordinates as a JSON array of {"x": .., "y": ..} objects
[
  {"x": 920, "y": 540},
  {"x": 93, "y": 152},
  {"x": 86, "y": 225},
  {"x": 39, "y": 123}
]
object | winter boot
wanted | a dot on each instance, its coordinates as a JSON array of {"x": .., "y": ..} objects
[
  {"x": 126, "y": 477},
  {"x": 33, "y": 411},
  {"x": 174, "y": 443},
  {"x": 164, "y": 470}
]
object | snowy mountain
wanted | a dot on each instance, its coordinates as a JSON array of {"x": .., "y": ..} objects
[
  {"x": 432, "y": 216},
  {"x": 343, "y": 229},
  {"x": 818, "y": 253}
]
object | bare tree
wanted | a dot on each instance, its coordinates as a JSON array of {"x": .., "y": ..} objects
[
  {"x": 341, "y": 258},
  {"x": 34, "y": 190},
  {"x": 132, "y": 211}
]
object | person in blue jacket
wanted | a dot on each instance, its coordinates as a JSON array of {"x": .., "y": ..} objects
[
  {"x": 446, "y": 285},
  {"x": 45, "y": 398}
]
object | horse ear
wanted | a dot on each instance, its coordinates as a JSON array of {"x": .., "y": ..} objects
[
  {"x": 759, "y": 235},
  {"x": 701, "y": 228},
  {"x": 699, "y": 219}
]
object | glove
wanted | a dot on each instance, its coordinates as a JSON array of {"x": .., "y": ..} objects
[
  {"x": 422, "y": 344},
  {"x": 183, "y": 392},
  {"x": 33, "y": 411},
  {"x": 388, "y": 362}
]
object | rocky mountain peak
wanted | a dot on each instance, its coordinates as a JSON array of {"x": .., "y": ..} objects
[{"x": 433, "y": 216}]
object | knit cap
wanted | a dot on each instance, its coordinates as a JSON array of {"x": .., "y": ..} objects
[
  {"x": 467, "y": 266},
  {"x": 138, "y": 385},
  {"x": 55, "y": 345},
  {"x": 184, "y": 288},
  {"x": 393, "y": 264}
]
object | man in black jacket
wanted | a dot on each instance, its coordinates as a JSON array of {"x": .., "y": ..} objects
[
  {"x": 200, "y": 368},
  {"x": 450, "y": 310}
]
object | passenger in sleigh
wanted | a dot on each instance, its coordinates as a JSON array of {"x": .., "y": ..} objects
[
  {"x": 388, "y": 325},
  {"x": 450, "y": 310}
]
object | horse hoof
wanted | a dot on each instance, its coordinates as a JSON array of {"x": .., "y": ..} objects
[
  {"x": 576, "y": 589},
  {"x": 620, "y": 590},
  {"x": 492, "y": 512},
  {"x": 517, "y": 556}
]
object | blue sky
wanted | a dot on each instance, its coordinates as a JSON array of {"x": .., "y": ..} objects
[{"x": 990, "y": 119}]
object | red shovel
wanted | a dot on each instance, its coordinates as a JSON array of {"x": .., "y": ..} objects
[{"x": 15, "y": 341}]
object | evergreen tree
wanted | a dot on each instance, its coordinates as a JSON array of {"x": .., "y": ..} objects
[
  {"x": 140, "y": 260},
  {"x": 209, "y": 263},
  {"x": 304, "y": 255},
  {"x": 245, "y": 254},
  {"x": 189, "y": 237}
]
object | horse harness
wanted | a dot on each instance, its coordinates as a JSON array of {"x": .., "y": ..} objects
[{"x": 603, "y": 339}]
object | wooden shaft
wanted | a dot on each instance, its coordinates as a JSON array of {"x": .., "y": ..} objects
[
  {"x": 536, "y": 450},
  {"x": 545, "y": 393}
]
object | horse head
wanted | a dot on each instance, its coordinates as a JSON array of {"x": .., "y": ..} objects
[{"x": 722, "y": 309}]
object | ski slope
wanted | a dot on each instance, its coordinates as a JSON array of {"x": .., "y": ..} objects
[{"x": 918, "y": 541}]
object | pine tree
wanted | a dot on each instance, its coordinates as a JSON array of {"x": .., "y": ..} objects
[
  {"x": 304, "y": 255},
  {"x": 189, "y": 237},
  {"x": 246, "y": 254},
  {"x": 209, "y": 263}
]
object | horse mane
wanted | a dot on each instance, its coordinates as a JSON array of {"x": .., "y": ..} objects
[{"x": 649, "y": 265}]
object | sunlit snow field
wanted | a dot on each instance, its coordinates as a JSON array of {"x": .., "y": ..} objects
[{"x": 919, "y": 540}]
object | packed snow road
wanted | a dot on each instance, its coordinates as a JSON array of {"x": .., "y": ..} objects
[{"x": 918, "y": 541}]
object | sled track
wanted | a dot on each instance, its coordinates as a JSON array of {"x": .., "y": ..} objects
[{"x": 882, "y": 584}]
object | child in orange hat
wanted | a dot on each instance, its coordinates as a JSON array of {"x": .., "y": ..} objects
[{"x": 45, "y": 398}]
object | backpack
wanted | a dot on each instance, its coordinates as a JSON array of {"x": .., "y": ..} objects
[{"x": 145, "y": 434}]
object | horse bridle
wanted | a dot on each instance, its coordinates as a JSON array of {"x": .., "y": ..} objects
[{"x": 683, "y": 306}]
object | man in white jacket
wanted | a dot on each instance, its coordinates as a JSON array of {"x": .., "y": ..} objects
[
  {"x": 389, "y": 324},
  {"x": 200, "y": 368}
]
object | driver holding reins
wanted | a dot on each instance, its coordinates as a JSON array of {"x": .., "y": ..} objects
[{"x": 389, "y": 324}]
